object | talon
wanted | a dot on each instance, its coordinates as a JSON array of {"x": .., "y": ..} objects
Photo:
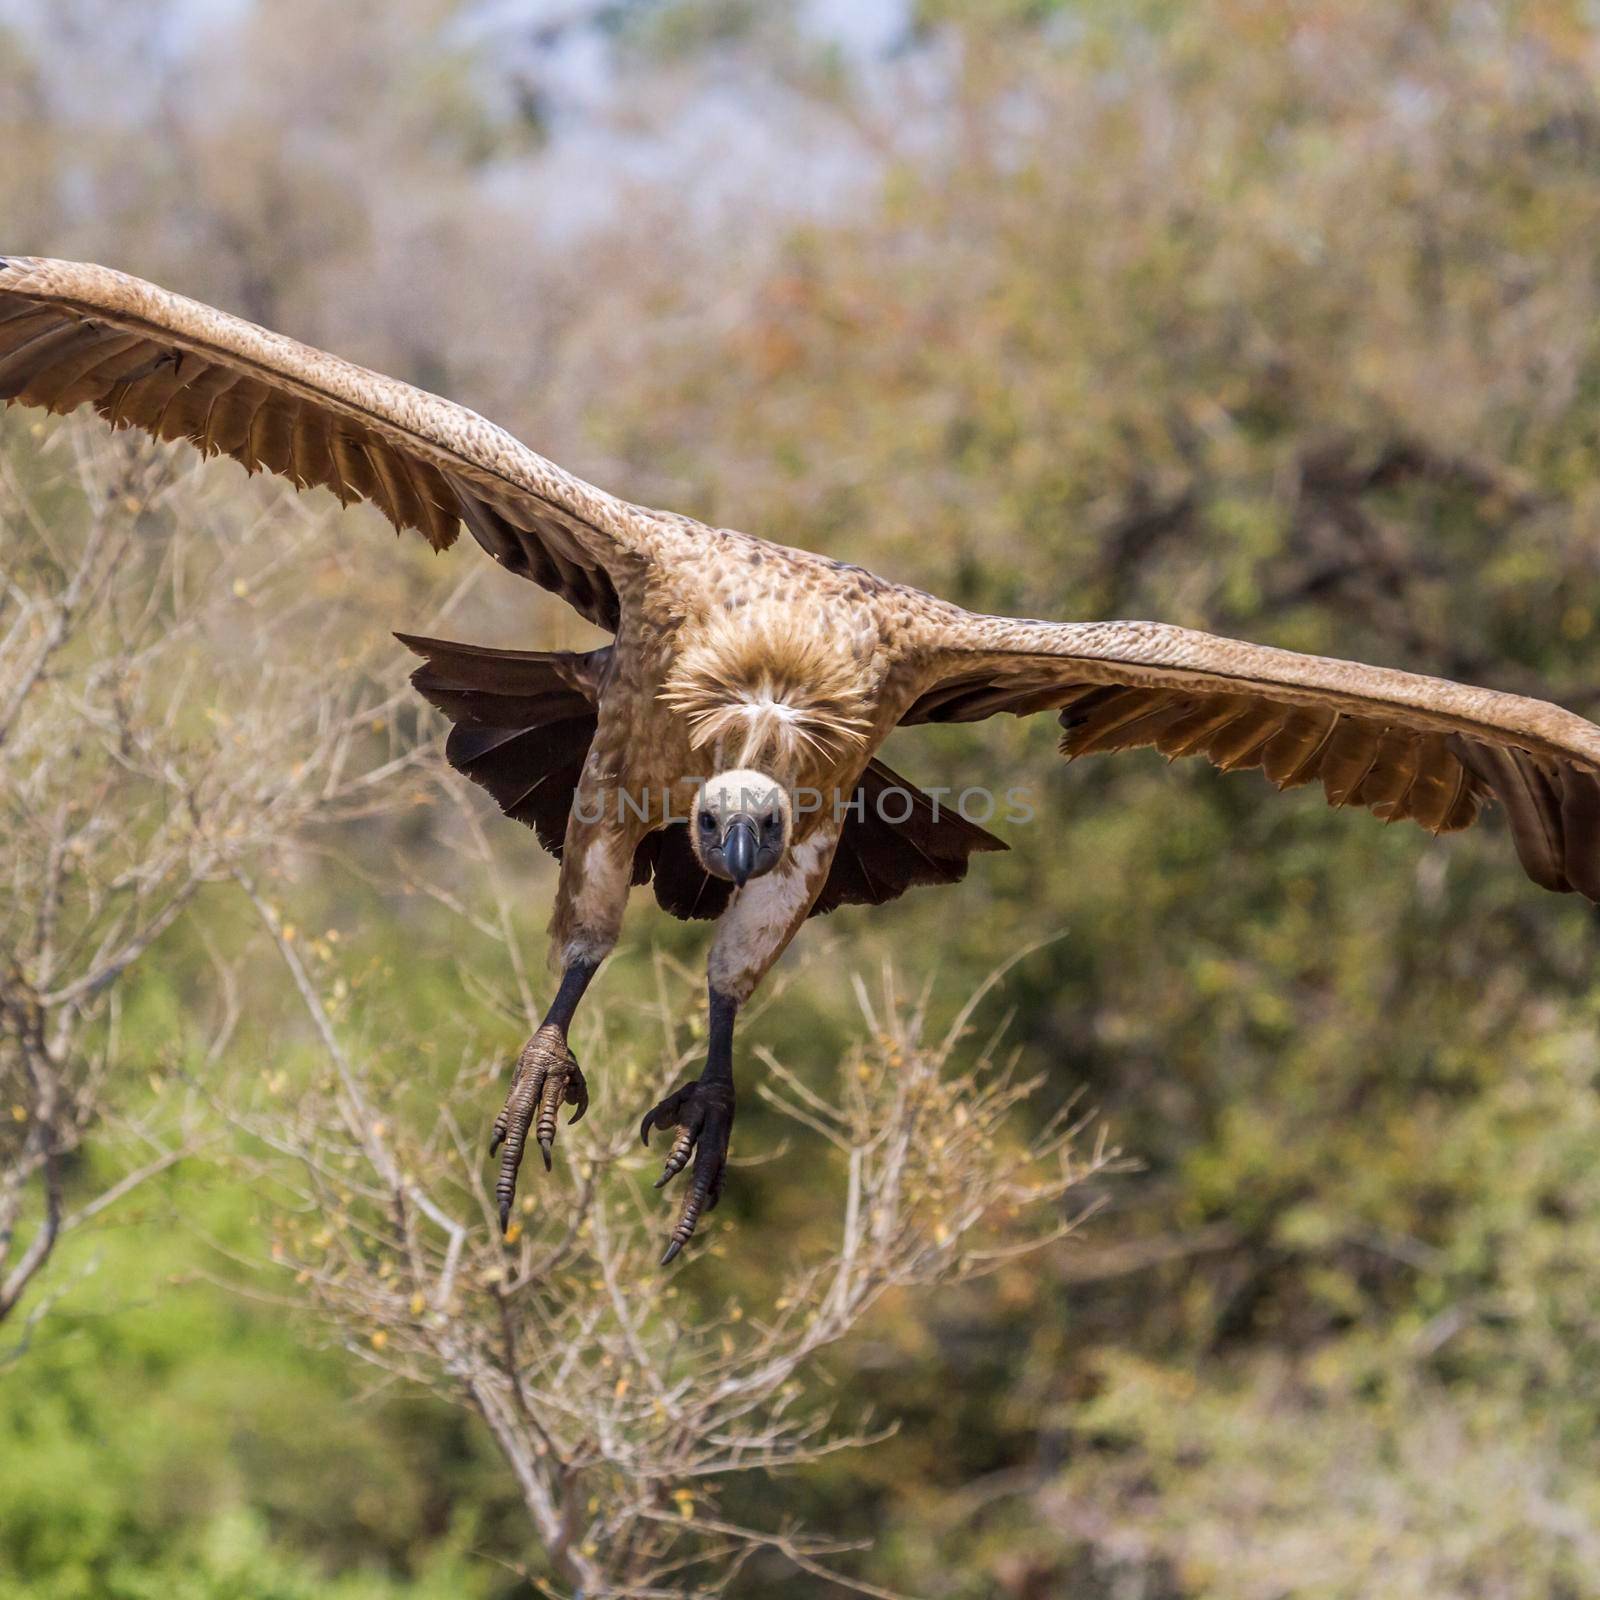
[
  {"x": 703, "y": 1114},
  {"x": 546, "y": 1076},
  {"x": 688, "y": 1217},
  {"x": 677, "y": 1158},
  {"x": 577, "y": 1090},
  {"x": 664, "y": 1114}
]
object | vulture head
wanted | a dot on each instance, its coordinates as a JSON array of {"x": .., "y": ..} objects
[{"x": 740, "y": 824}]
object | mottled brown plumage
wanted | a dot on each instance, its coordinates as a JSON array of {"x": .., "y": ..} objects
[
  {"x": 730, "y": 651},
  {"x": 761, "y": 684}
]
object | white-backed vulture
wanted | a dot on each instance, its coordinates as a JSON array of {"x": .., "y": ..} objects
[{"x": 748, "y": 685}]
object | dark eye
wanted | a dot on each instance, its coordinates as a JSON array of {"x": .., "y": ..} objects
[
  {"x": 771, "y": 819},
  {"x": 707, "y": 821}
]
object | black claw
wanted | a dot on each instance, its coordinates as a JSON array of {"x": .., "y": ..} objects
[
  {"x": 703, "y": 1113},
  {"x": 577, "y": 1092},
  {"x": 544, "y": 1150},
  {"x": 505, "y": 1215},
  {"x": 496, "y": 1139}
]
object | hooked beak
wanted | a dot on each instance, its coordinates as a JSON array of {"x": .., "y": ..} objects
[{"x": 739, "y": 849}]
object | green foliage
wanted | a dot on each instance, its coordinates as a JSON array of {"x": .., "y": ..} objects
[{"x": 164, "y": 1436}]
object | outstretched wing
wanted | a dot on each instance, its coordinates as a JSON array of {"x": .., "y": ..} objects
[
  {"x": 73, "y": 334},
  {"x": 1401, "y": 745}
]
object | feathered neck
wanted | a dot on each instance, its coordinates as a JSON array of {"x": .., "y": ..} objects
[{"x": 763, "y": 691}]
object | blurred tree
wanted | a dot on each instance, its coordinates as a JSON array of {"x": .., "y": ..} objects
[{"x": 141, "y": 767}]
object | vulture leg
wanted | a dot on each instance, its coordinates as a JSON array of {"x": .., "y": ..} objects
[
  {"x": 545, "y": 1078},
  {"x": 751, "y": 934},
  {"x": 702, "y": 1111},
  {"x": 596, "y": 864}
]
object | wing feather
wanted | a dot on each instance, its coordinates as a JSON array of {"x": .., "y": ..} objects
[
  {"x": 1193, "y": 732},
  {"x": 73, "y": 334},
  {"x": 1440, "y": 797},
  {"x": 1293, "y": 755},
  {"x": 149, "y": 391},
  {"x": 108, "y": 362},
  {"x": 266, "y": 444},
  {"x": 44, "y": 368},
  {"x": 32, "y": 353},
  {"x": 188, "y": 413},
  {"x": 1237, "y": 746},
  {"x": 1580, "y": 828},
  {"x": 310, "y": 455},
  {"x": 1347, "y": 760},
  {"x": 1394, "y": 743},
  {"x": 1388, "y": 781},
  {"x": 1532, "y": 808},
  {"x": 228, "y": 421}
]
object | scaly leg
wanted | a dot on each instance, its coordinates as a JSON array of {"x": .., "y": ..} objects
[
  {"x": 545, "y": 1077},
  {"x": 753, "y": 932},
  {"x": 703, "y": 1112},
  {"x": 596, "y": 865}
]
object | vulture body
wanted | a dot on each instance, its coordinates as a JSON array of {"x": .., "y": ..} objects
[{"x": 723, "y": 747}]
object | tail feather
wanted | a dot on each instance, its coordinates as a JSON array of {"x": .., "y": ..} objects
[{"x": 524, "y": 721}]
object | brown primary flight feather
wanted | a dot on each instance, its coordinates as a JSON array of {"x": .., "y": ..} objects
[
  {"x": 729, "y": 643},
  {"x": 1400, "y": 745},
  {"x": 72, "y": 335},
  {"x": 1397, "y": 773}
]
